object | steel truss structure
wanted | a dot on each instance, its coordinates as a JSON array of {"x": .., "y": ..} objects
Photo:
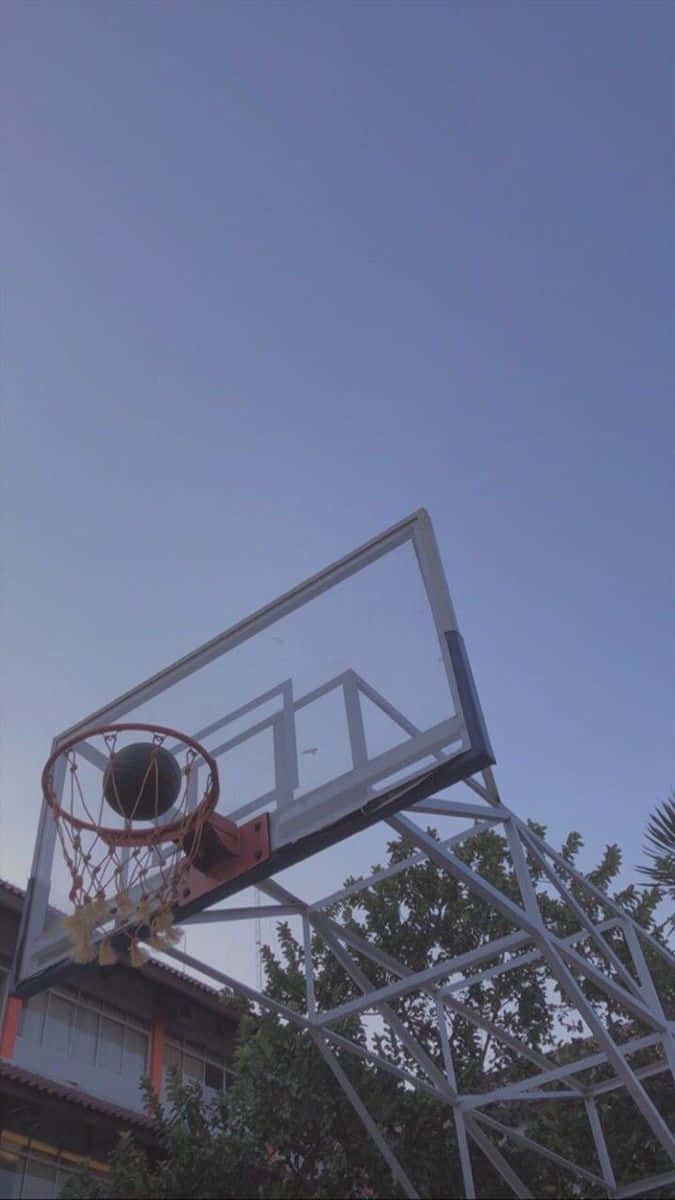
[{"x": 624, "y": 980}]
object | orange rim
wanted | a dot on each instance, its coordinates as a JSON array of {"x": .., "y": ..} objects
[{"x": 175, "y": 830}]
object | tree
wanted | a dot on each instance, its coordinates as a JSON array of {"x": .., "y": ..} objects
[
  {"x": 283, "y": 1131},
  {"x": 286, "y": 1129},
  {"x": 660, "y": 846}
]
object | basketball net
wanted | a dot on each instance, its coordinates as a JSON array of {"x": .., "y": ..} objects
[{"x": 127, "y": 879}]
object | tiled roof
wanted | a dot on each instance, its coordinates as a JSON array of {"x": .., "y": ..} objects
[
  {"x": 183, "y": 976},
  {"x": 12, "y": 888},
  {"x": 59, "y": 1091}
]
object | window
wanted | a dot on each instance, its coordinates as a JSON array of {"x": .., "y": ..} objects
[
  {"x": 58, "y": 1024},
  {"x": 39, "y": 1173},
  {"x": 111, "y": 1045},
  {"x": 74, "y": 1026},
  {"x": 33, "y": 1018},
  {"x": 40, "y": 1179},
  {"x": 85, "y": 1035},
  {"x": 9, "y": 1174},
  {"x": 135, "y": 1052},
  {"x": 196, "y": 1063}
]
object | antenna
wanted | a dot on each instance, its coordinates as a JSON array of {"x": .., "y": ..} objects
[{"x": 258, "y": 945}]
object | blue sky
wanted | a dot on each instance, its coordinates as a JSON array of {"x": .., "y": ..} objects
[{"x": 276, "y": 275}]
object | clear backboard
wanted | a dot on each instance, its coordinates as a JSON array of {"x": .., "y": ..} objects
[{"x": 341, "y": 702}]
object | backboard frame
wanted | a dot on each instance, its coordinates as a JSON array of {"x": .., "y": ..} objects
[{"x": 346, "y": 810}]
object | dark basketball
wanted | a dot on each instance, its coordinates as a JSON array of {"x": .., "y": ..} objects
[{"x": 124, "y": 787}]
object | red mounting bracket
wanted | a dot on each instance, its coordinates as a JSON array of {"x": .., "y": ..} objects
[{"x": 225, "y": 852}]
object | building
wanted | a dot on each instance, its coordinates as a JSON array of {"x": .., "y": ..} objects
[{"x": 71, "y": 1059}]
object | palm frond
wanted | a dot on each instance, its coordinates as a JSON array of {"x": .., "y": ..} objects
[
  {"x": 660, "y": 845},
  {"x": 661, "y": 829}
]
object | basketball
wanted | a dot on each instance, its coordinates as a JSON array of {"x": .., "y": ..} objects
[{"x": 142, "y": 781}]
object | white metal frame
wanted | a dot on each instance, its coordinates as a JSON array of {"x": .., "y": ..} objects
[{"x": 550, "y": 1080}]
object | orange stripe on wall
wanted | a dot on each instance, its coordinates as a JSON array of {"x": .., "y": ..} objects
[
  {"x": 10, "y": 1026},
  {"x": 157, "y": 1040}
]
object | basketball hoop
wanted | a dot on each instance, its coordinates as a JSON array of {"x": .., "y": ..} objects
[{"x": 128, "y": 875}]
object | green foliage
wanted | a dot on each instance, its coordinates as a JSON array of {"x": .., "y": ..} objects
[
  {"x": 660, "y": 846},
  {"x": 286, "y": 1129},
  {"x": 130, "y": 1176}
]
